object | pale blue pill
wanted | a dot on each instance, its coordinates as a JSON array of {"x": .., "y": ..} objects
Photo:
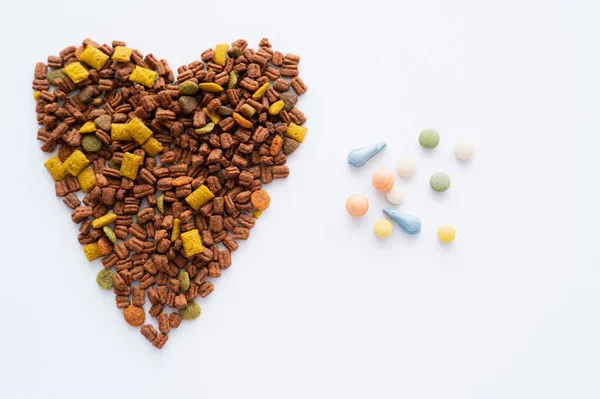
[
  {"x": 409, "y": 223},
  {"x": 359, "y": 156}
]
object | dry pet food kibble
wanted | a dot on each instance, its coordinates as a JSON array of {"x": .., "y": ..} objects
[{"x": 165, "y": 170}]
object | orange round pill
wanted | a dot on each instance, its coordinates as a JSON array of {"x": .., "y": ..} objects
[
  {"x": 383, "y": 179},
  {"x": 357, "y": 205},
  {"x": 260, "y": 199}
]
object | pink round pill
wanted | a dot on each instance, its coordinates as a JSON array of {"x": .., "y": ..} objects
[
  {"x": 383, "y": 179},
  {"x": 357, "y": 205}
]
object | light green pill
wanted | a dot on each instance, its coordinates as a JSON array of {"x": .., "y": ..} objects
[
  {"x": 439, "y": 181},
  {"x": 429, "y": 138},
  {"x": 91, "y": 143}
]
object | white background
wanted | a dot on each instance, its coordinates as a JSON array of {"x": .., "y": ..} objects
[{"x": 314, "y": 305}]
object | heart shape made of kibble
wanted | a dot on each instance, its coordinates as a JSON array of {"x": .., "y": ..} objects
[{"x": 164, "y": 176}]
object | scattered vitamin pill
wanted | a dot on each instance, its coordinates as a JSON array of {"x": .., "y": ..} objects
[
  {"x": 357, "y": 205},
  {"x": 190, "y": 312},
  {"x": 260, "y": 199},
  {"x": 395, "y": 195},
  {"x": 464, "y": 149},
  {"x": 406, "y": 166},
  {"x": 446, "y": 233},
  {"x": 134, "y": 315},
  {"x": 359, "y": 156},
  {"x": 409, "y": 223},
  {"x": 439, "y": 181},
  {"x": 91, "y": 143},
  {"x": 383, "y": 179},
  {"x": 383, "y": 228},
  {"x": 429, "y": 138},
  {"x": 104, "y": 279}
]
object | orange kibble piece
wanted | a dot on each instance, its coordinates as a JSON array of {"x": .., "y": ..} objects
[
  {"x": 260, "y": 199},
  {"x": 243, "y": 122},
  {"x": 181, "y": 181},
  {"x": 105, "y": 246},
  {"x": 134, "y": 315},
  {"x": 276, "y": 146}
]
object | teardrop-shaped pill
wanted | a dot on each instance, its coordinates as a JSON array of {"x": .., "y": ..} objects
[
  {"x": 359, "y": 156},
  {"x": 409, "y": 223}
]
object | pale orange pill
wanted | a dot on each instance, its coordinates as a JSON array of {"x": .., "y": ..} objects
[
  {"x": 383, "y": 179},
  {"x": 357, "y": 205}
]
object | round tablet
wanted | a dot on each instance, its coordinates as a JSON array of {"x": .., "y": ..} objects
[
  {"x": 429, "y": 138},
  {"x": 395, "y": 195},
  {"x": 406, "y": 166},
  {"x": 357, "y": 205},
  {"x": 464, "y": 149},
  {"x": 383, "y": 228},
  {"x": 383, "y": 179},
  {"x": 446, "y": 233},
  {"x": 439, "y": 181}
]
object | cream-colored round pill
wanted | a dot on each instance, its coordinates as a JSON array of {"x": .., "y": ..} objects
[
  {"x": 464, "y": 149},
  {"x": 406, "y": 166},
  {"x": 395, "y": 195}
]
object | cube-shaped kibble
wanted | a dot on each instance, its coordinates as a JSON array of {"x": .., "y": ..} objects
[
  {"x": 105, "y": 220},
  {"x": 76, "y": 72},
  {"x": 122, "y": 54},
  {"x": 143, "y": 76},
  {"x": 92, "y": 251},
  {"x": 192, "y": 244},
  {"x": 199, "y": 197},
  {"x": 87, "y": 179},
  {"x": 120, "y": 132},
  {"x": 76, "y": 162},
  {"x": 296, "y": 132},
  {"x": 88, "y": 127},
  {"x": 221, "y": 53},
  {"x": 130, "y": 165},
  {"x": 93, "y": 57},
  {"x": 56, "y": 168},
  {"x": 138, "y": 131},
  {"x": 152, "y": 147}
]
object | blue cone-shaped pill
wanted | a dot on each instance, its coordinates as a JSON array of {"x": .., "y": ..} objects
[
  {"x": 409, "y": 223},
  {"x": 359, "y": 156}
]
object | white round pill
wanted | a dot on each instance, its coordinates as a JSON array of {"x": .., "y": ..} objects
[
  {"x": 406, "y": 166},
  {"x": 395, "y": 195},
  {"x": 464, "y": 149}
]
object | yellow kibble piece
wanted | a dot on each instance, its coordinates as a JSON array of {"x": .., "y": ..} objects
[
  {"x": 76, "y": 162},
  {"x": 192, "y": 244},
  {"x": 138, "y": 131},
  {"x": 105, "y": 220},
  {"x": 152, "y": 147},
  {"x": 87, "y": 179},
  {"x": 214, "y": 117},
  {"x": 88, "y": 127},
  {"x": 221, "y": 54},
  {"x": 76, "y": 72},
  {"x": 276, "y": 107},
  {"x": 120, "y": 132},
  {"x": 210, "y": 87},
  {"x": 446, "y": 233},
  {"x": 56, "y": 168},
  {"x": 258, "y": 94},
  {"x": 122, "y": 54},
  {"x": 93, "y": 57},
  {"x": 36, "y": 95},
  {"x": 199, "y": 197},
  {"x": 130, "y": 165},
  {"x": 383, "y": 228},
  {"x": 143, "y": 76},
  {"x": 92, "y": 251},
  {"x": 296, "y": 132},
  {"x": 176, "y": 232},
  {"x": 256, "y": 213}
]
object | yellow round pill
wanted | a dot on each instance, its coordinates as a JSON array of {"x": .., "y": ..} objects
[
  {"x": 383, "y": 228},
  {"x": 446, "y": 233}
]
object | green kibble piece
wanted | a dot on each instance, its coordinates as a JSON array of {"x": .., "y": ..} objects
[
  {"x": 110, "y": 234},
  {"x": 184, "y": 280},
  {"x": 104, "y": 279},
  {"x": 113, "y": 165},
  {"x": 56, "y": 74},
  {"x": 429, "y": 138},
  {"x": 91, "y": 143},
  {"x": 439, "y": 181},
  {"x": 206, "y": 129},
  {"x": 190, "y": 312},
  {"x": 160, "y": 203},
  {"x": 188, "y": 88},
  {"x": 232, "y": 80}
]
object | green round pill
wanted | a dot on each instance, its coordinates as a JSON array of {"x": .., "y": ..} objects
[
  {"x": 104, "y": 279},
  {"x": 190, "y": 312},
  {"x": 429, "y": 138},
  {"x": 439, "y": 181},
  {"x": 91, "y": 143}
]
